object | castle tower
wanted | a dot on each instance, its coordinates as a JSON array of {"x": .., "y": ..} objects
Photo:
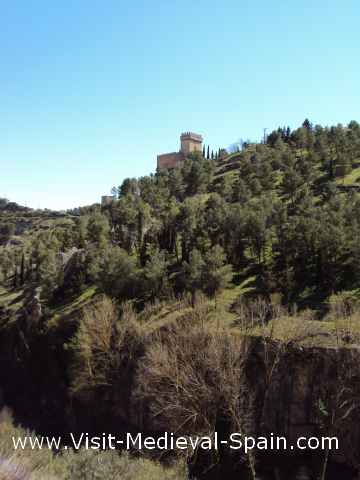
[{"x": 190, "y": 142}]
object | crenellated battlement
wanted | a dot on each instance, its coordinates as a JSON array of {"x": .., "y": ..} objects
[{"x": 191, "y": 136}]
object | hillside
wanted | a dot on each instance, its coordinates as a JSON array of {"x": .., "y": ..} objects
[
  {"x": 218, "y": 270},
  {"x": 205, "y": 226}
]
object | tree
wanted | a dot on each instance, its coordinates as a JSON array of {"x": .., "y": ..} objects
[
  {"x": 81, "y": 230},
  {"x": 224, "y": 187},
  {"x": 290, "y": 183},
  {"x": 235, "y": 234},
  {"x": 299, "y": 137},
  {"x": 7, "y": 230},
  {"x": 217, "y": 274},
  {"x": 176, "y": 183},
  {"x": 241, "y": 192},
  {"x": 216, "y": 218},
  {"x": 6, "y": 263},
  {"x": 50, "y": 273},
  {"x": 190, "y": 224},
  {"x": 129, "y": 186},
  {"x": 306, "y": 168},
  {"x": 307, "y": 124},
  {"x": 98, "y": 229},
  {"x": 193, "y": 273},
  {"x": 22, "y": 269},
  {"x": 114, "y": 271},
  {"x": 155, "y": 273},
  {"x": 104, "y": 347},
  {"x": 15, "y": 279},
  {"x": 256, "y": 229},
  {"x": 114, "y": 192},
  {"x": 197, "y": 174},
  {"x": 255, "y": 186}
]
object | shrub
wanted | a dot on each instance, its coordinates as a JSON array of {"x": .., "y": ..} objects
[
  {"x": 99, "y": 465},
  {"x": 42, "y": 464},
  {"x": 104, "y": 345},
  {"x": 24, "y": 464},
  {"x": 190, "y": 376}
]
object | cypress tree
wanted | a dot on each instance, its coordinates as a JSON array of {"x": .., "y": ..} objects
[
  {"x": 288, "y": 134},
  {"x": 208, "y": 152}
]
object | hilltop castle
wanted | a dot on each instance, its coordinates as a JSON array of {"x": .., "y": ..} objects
[{"x": 189, "y": 142}]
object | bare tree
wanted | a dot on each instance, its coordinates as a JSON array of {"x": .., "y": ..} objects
[{"x": 191, "y": 377}]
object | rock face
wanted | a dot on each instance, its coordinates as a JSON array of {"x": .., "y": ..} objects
[
  {"x": 310, "y": 392},
  {"x": 294, "y": 392},
  {"x": 306, "y": 392},
  {"x": 35, "y": 310},
  {"x": 314, "y": 392},
  {"x": 286, "y": 390},
  {"x": 303, "y": 473}
]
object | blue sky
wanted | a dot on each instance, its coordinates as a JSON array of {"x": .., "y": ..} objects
[{"x": 91, "y": 91}]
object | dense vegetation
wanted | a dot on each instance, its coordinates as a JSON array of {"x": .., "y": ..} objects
[
  {"x": 283, "y": 211},
  {"x": 100, "y": 299}
]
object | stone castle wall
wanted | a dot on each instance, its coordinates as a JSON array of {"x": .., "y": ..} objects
[{"x": 169, "y": 160}]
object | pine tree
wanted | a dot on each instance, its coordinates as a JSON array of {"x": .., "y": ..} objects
[
  {"x": 288, "y": 134},
  {"x": 193, "y": 273},
  {"x": 15, "y": 278},
  {"x": 307, "y": 124},
  {"x": 22, "y": 270},
  {"x": 155, "y": 273},
  {"x": 217, "y": 274}
]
